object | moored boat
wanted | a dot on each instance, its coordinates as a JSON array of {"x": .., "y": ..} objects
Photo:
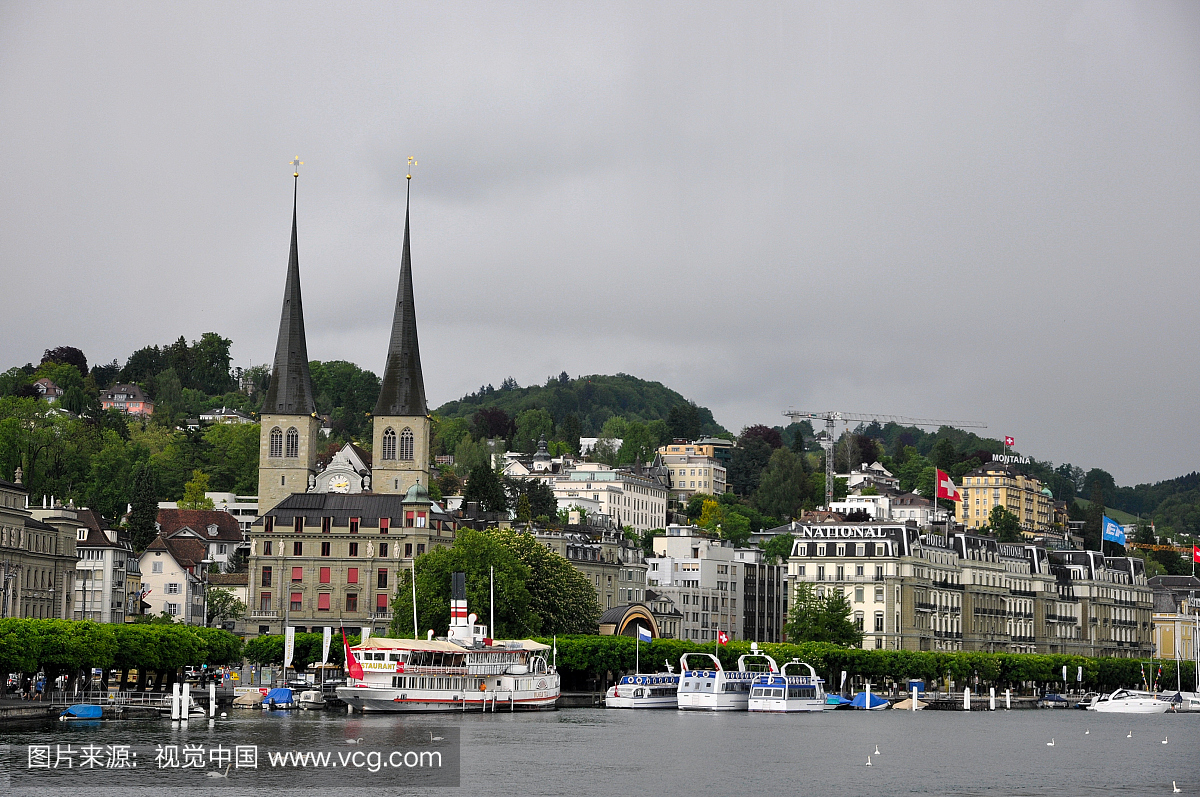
[
  {"x": 719, "y": 689},
  {"x": 466, "y": 671},
  {"x": 659, "y": 690},
  {"x": 311, "y": 698},
  {"x": 1130, "y": 701},
  {"x": 788, "y": 693}
]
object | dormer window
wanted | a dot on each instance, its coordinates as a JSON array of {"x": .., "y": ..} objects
[
  {"x": 82, "y": 535},
  {"x": 212, "y": 530}
]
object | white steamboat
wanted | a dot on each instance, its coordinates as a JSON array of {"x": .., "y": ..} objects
[
  {"x": 718, "y": 689},
  {"x": 788, "y": 693},
  {"x": 659, "y": 690},
  {"x": 466, "y": 671}
]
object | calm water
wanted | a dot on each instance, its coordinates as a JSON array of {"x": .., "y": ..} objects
[{"x": 582, "y": 752}]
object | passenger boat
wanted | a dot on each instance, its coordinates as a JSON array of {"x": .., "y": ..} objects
[
  {"x": 719, "y": 689},
  {"x": 1130, "y": 701},
  {"x": 466, "y": 671},
  {"x": 659, "y": 690},
  {"x": 788, "y": 693}
]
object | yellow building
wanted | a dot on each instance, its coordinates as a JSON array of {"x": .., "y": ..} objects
[
  {"x": 697, "y": 467},
  {"x": 1000, "y": 485}
]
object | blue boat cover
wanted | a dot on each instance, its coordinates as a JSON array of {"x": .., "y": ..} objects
[
  {"x": 860, "y": 701},
  {"x": 836, "y": 700},
  {"x": 281, "y": 697},
  {"x": 84, "y": 711}
]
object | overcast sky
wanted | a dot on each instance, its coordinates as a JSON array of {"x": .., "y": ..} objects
[{"x": 966, "y": 211}]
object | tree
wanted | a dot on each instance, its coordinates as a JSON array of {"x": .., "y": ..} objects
[
  {"x": 522, "y": 510},
  {"x": 484, "y": 486},
  {"x": 532, "y": 426},
  {"x": 821, "y": 618},
  {"x": 223, "y": 605},
  {"x": 746, "y": 465},
  {"x": 1004, "y": 524},
  {"x": 448, "y": 482},
  {"x": 767, "y": 434},
  {"x": 491, "y": 422},
  {"x": 683, "y": 422},
  {"x": 638, "y": 445},
  {"x": 1102, "y": 482},
  {"x": 784, "y": 486},
  {"x": 194, "y": 492},
  {"x": 67, "y": 355},
  {"x": 470, "y": 454},
  {"x": 778, "y": 549},
  {"x": 571, "y": 431}
]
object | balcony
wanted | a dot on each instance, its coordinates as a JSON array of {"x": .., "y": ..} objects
[
  {"x": 262, "y": 614},
  {"x": 379, "y": 615}
]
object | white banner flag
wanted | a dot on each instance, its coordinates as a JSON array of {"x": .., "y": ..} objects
[
  {"x": 366, "y": 634},
  {"x": 325, "y": 645},
  {"x": 289, "y": 646}
]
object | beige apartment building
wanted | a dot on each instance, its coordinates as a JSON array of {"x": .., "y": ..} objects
[
  {"x": 695, "y": 467},
  {"x": 1000, "y": 485}
]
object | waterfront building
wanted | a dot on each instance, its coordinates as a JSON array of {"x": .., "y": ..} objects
[
  {"x": 217, "y": 530},
  {"x": 329, "y": 559},
  {"x": 1176, "y": 617},
  {"x": 244, "y": 508},
  {"x": 102, "y": 581},
  {"x": 129, "y": 399},
  {"x": 1002, "y": 485},
  {"x": 37, "y": 559},
  {"x": 173, "y": 578},
  {"x": 614, "y": 565},
  {"x": 693, "y": 473},
  {"x": 625, "y": 497},
  {"x": 909, "y": 591},
  {"x": 707, "y": 580}
]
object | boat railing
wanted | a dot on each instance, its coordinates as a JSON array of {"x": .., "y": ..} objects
[{"x": 418, "y": 669}]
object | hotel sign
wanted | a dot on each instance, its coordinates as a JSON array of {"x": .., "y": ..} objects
[
  {"x": 1010, "y": 459},
  {"x": 847, "y": 532}
]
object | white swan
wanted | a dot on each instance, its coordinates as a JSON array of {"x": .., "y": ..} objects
[
  {"x": 354, "y": 741},
  {"x": 433, "y": 738},
  {"x": 1164, "y": 741},
  {"x": 1129, "y": 735},
  {"x": 1174, "y": 788},
  {"x": 877, "y": 750},
  {"x": 868, "y": 761},
  {"x": 224, "y": 774},
  {"x": 1089, "y": 730},
  {"x": 1050, "y": 743}
]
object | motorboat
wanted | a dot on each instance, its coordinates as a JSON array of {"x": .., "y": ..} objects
[
  {"x": 310, "y": 699},
  {"x": 1051, "y": 700},
  {"x": 1131, "y": 701},
  {"x": 718, "y": 689},
  {"x": 659, "y": 690},
  {"x": 279, "y": 699},
  {"x": 1183, "y": 701},
  {"x": 907, "y": 705},
  {"x": 82, "y": 711},
  {"x": 1087, "y": 700},
  {"x": 870, "y": 702},
  {"x": 788, "y": 693}
]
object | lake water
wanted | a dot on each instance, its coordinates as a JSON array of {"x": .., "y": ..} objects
[{"x": 582, "y": 752}]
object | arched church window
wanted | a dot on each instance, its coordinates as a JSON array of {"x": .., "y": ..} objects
[
  {"x": 406, "y": 444},
  {"x": 389, "y": 443},
  {"x": 277, "y": 442},
  {"x": 293, "y": 442}
]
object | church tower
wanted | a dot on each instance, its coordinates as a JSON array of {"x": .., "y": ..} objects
[
  {"x": 400, "y": 455},
  {"x": 287, "y": 453}
]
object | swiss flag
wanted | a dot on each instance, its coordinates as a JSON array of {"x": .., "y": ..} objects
[
  {"x": 946, "y": 488},
  {"x": 353, "y": 668},
  {"x": 1008, "y": 441},
  {"x": 1195, "y": 554},
  {"x": 722, "y": 638}
]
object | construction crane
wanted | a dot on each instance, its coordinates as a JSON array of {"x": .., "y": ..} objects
[{"x": 831, "y": 418}]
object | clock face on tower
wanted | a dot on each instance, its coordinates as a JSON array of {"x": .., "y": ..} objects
[{"x": 339, "y": 484}]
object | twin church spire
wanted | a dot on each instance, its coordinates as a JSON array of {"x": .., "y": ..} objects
[{"x": 287, "y": 462}]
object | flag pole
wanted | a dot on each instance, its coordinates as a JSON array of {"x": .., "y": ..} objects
[{"x": 637, "y": 650}]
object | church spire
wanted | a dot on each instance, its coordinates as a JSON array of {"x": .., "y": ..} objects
[
  {"x": 403, "y": 389},
  {"x": 291, "y": 391}
]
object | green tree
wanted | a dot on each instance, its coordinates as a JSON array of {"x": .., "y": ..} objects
[
  {"x": 1004, "y": 524},
  {"x": 223, "y": 605},
  {"x": 784, "y": 485},
  {"x": 778, "y": 549},
  {"x": 522, "y": 510},
  {"x": 470, "y": 454},
  {"x": 484, "y": 486},
  {"x": 230, "y": 457},
  {"x": 532, "y": 426},
  {"x": 821, "y": 618},
  {"x": 683, "y": 422},
  {"x": 194, "y": 492},
  {"x": 638, "y": 445}
]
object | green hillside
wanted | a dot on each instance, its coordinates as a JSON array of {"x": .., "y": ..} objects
[
  {"x": 591, "y": 399},
  {"x": 1123, "y": 518}
]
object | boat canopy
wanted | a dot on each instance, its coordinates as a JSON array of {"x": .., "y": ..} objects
[
  {"x": 280, "y": 695},
  {"x": 84, "y": 711},
  {"x": 860, "y": 701},
  {"x": 445, "y": 646}
]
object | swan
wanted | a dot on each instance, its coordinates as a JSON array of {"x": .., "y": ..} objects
[
  {"x": 877, "y": 750},
  {"x": 1050, "y": 743},
  {"x": 1175, "y": 789},
  {"x": 1164, "y": 741},
  {"x": 1089, "y": 730},
  {"x": 1129, "y": 735},
  {"x": 224, "y": 774},
  {"x": 354, "y": 741},
  {"x": 433, "y": 738},
  {"x": 868, "y": 761}
]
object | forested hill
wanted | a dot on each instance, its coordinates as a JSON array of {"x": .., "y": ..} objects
[{"x": 592, "y": 400}]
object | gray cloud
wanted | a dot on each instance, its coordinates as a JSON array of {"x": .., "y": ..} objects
[{"x": 941, "y": 210}]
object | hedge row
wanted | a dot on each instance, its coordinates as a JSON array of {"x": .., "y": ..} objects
[
  {"x": 68, "y": 646},
  {"x": 582, "y": 658}
]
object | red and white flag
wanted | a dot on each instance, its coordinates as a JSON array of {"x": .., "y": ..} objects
[
  {"x": 722, "y": 638},
  {"x": 1008, "y": 441},
  {"x": 1195, "y": 554},
  {"x": 353, "y": 668},
  {"x": 946, "y": 488}
]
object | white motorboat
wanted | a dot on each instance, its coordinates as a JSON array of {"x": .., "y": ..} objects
[
  {"x": 466, "y": 671},
  {"x": 719, "y": 689},
  {"x": 1130, "y": 701},
  {"x": 788, "y": 693},
  {"x": 659, "y": 690},
  {"x": 310, "y": 699}
]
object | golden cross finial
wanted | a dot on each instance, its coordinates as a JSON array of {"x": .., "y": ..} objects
[
  {"x": 411, "y": 163},
  {"x": 296, "y": 164}
]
